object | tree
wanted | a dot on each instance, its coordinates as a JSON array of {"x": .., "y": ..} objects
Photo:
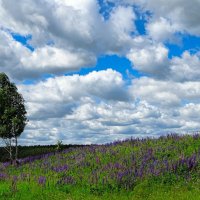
[
  {"x": 59, "y": 145},
  {"x": 12, "y": 115}
]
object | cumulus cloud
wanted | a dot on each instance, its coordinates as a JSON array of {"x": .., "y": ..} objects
[
  {"x": 11, "y": 52},
  {"x": 161, "y": 30},
  {"x": 172, "y": 15},
  {"x": 191, "y": 111},
  {"x": 92, "y": 122},
  {"x": 186, "y": 67},
  {"x": 163, "y": 93},
  {"x": 182, "y": 14},
  {"x": 54, "y": 60},
  {"x": 97, "y": 108},
  {"x": 151, "y": 59},
  {"x": 77, "y": 41},
  {"x": 20, "y": 62},
  {"x": 65, "y": 91},
  {"x": 97, "y": 104},
  {"x": 156, "y": 92},
  {"x": 66, "y": 35}
]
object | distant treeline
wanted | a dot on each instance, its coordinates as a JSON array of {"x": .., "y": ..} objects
[{"x": 26, "y": 151}]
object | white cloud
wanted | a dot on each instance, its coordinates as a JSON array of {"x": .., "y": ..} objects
[
  {"x": 97, "y": 108},
  {"x": 156, "y": 92},
  {"x": 19, "y": 62},
  {"x": 191, "y": 111},
  {"x": 165, "y": 93},
  {"x": 93, "y": 122},
  {"x": 11, "y": 52},
  {"x": 185, "y": 68},
  {"x": 121, "y": 21},
  {"x": 46, "y": 97},
  {"x": 100, "y": 106},
  {"x": 151, "y": 59},
  {"x": 161, "y": 30},
  {"x": 183, "y": 15},
  {"x": 54, "y": 60},
  {"x": 76, "y": 31}
]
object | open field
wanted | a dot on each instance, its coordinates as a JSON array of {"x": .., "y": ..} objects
[{"x": 164, "y": 168}]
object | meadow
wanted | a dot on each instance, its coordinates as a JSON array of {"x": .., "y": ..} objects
[{"x": 163, "y": 168}]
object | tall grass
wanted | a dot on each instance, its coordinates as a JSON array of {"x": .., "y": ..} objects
[{"x": 163, "y": 168}]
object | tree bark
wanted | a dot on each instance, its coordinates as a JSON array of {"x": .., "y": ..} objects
[
  {"x": 8, "y": 148},
  {"x": 16, "y": 149},
  {"x": 10, "y": 151}
]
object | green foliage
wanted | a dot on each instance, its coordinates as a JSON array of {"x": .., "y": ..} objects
[
  {"x": 12, "y": 113},
  {"x": 25, "y": 151},
  {"x": 59, "y": 145},
  {"x": 12, "y": 110}
]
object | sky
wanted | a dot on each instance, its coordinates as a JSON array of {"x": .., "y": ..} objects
[{"x": 96, "y": 71}]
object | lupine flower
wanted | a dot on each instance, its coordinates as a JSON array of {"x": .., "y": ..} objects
[
  {"x": 60, "y": 168},
  {"x": 42, "y": 180},
  {"x": 3, "y": 176},
  {"x": 67, "y": 180}
]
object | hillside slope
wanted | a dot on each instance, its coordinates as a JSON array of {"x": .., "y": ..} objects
[{"x": 163, "y": 168}]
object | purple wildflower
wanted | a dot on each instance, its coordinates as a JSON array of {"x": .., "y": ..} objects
[{"x": 42, "y": 180}]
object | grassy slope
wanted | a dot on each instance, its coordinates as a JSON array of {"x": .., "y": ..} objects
[{"x": 164, "y": 168}]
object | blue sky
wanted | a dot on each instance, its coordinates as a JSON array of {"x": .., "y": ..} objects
[{"x": 97, "y": 71}]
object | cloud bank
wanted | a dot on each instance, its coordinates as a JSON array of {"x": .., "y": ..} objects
[{"x": 59, "y": 38}]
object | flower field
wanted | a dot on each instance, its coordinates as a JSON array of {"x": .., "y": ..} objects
[{"x": 163, "y": 168}]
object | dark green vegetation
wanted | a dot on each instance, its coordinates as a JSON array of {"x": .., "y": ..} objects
[
  {"x": 12, "y": 115},
  {"x": 27, "y": 151},
  {"x": 164, "y": 168}
]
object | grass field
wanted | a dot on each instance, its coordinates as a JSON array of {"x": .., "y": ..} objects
[{"x": 163, "y": 168}]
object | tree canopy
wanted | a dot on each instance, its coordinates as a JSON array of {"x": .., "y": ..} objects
[{"x": 12, "y": 111}]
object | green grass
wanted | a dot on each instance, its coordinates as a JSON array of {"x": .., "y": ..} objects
[
  {"x": 143, "y": 191},
  {"x": 152, "y": 169}
]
